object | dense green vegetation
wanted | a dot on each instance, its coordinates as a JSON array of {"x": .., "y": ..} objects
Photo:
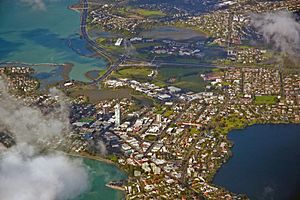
[{"x": 225, "y": 125}]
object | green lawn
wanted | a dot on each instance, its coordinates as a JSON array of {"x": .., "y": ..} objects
[
  {"x": 150, "y": 13},
  {"x": 194, "y": 131},
  {"x": 87, "y": 120},
  {"x": 186, "y": 78},
  {"x": 102, "y": 72},
  {"x": 150, "y": 138},
  {"x": 168, "y": 113},
  {"x": 145, "y": 45},
  {"x": 269, "y": 100},
  {"x": 137, "y": 73}
]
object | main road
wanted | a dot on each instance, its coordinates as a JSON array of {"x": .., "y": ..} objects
[{"x": 112, "y": 65}]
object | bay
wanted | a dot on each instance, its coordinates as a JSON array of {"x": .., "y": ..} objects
[
  {"x": 49, "y": 33},
  {"x": 100, "y": 174}
]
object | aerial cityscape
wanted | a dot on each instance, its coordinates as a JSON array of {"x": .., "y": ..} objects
[{"x": 149, "y": 99}]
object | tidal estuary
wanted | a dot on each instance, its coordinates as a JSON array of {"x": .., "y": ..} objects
[{"x": 50, "y": 34}]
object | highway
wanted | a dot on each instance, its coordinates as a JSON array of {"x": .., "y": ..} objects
[
  {"x": 96, "y": 47},
  {"x": 110, "y": 69},
  {"x": 114, "y": 65},
  {"x": 85, "y": 35}
]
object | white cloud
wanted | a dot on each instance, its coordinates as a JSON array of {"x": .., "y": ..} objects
[
  {"x": 25, "y": 175},
  {"x": 279, "y": 29},
  {"x": 29, "y": 124}
]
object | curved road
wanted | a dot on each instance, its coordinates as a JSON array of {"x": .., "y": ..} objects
[
  {"x": 96, "y": 47},
  {"x": 114, "y": 65}
]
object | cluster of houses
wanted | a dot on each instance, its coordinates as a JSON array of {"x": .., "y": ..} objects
[
  {"x": 196, "y": 116},
  {"x": 232, "y": 24},
  {"x": 109, "y": 20},
  {"x": 173, "y": 150},
  {"x": 179, "y": 49},
  {"x": 19, "y": 79},
  {"x": 247, "y": 56}
]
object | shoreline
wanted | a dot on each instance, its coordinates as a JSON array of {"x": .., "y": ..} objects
[
  {"x": 96, "y": 158},
  {"x": 115, "y": 187},
  {"x": 104, "y": 160},
  {"x": 89, "y": 76},
  {"x": 75, "y": 7}
]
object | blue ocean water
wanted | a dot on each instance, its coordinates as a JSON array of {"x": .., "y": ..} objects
[
  {"x": 44, "y": 34},
  {"x": 265, "y": 163}
]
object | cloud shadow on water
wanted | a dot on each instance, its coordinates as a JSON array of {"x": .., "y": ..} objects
[
  {"x": 51, "y": 40},
  {"x": 8, "y": 47}
]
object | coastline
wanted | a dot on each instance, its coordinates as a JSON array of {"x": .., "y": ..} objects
[
  {"x": 214, "y": 172},
  {"x": 97, "y": 158},
  {"x": 115, "y": 187},
  {"x": 90, "y": 76},
  {"x": 104, "y": 160},
  {"x": 75, "y": 7}
]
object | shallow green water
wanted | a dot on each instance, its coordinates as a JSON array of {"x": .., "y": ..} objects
[
  {"x": 100, "y": 174},
  {"x": 45, "y": 35}
]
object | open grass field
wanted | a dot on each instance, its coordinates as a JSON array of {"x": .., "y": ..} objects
[
  {"x": 149, "y": 13},
  {"x": 269, "y": 100},
  {"x": 139, "y": 13},
  {"x": 185, "y": 78},
  {"x": 137, "y": 73}
]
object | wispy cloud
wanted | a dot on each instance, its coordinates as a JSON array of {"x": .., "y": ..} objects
[
  {"x": 25, "y": 175},
  {"x": 29, "y": 124},
  {"x": 279, "y": 29},
  {"x": 35, "y": 4}
]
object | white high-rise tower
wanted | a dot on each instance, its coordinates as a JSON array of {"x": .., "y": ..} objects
[{"x": 117, "y": 115}]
